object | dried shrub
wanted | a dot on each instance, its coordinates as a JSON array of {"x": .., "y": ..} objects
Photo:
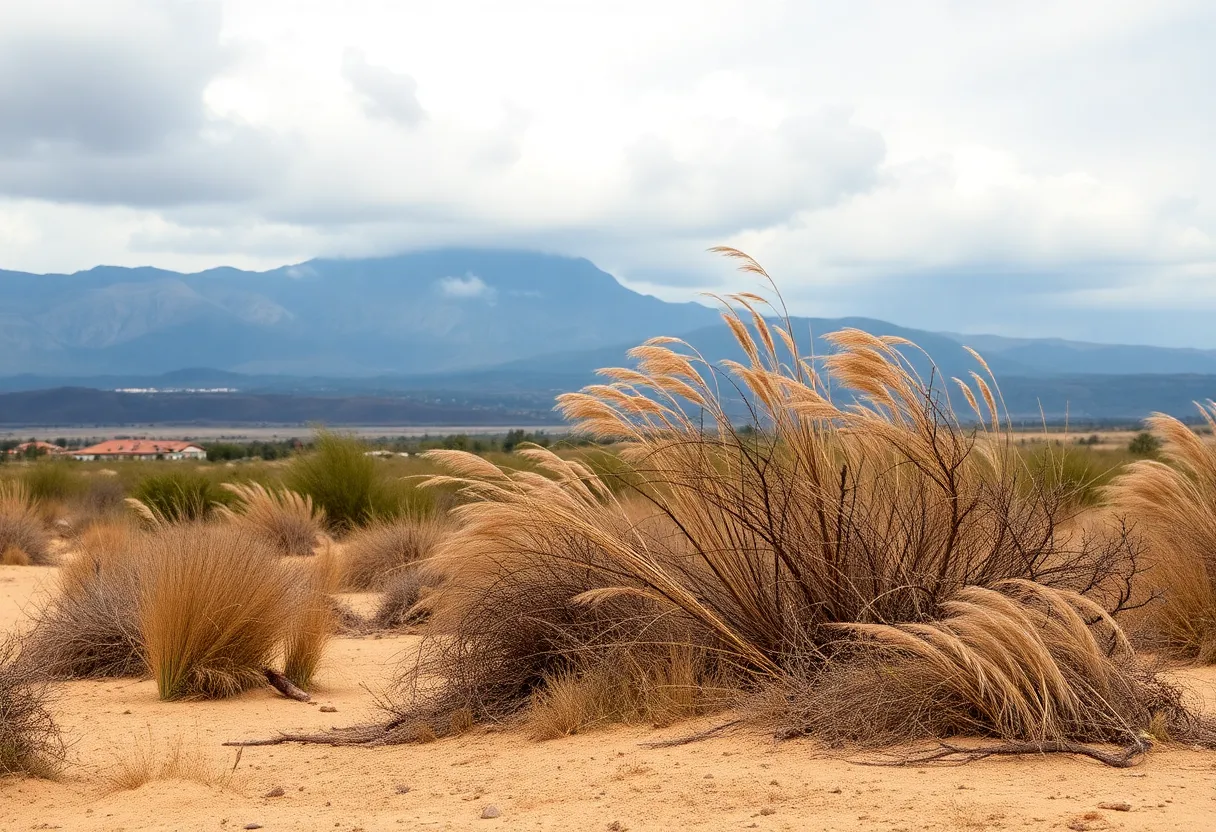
[
  {"x": 30, "y": 742},
  {"x": 288, "y": 521},
  {"x": 90, "y": 626},
  {"x": 377, "y": 552},
  {"x": 312, "y": 621},
  {"x": 214, "y": 608},
  {"x": 1172, "y": 505},
  {"x": 833, "y": 523},
  {"x": 396, "y": 609},
  {"x": 21, "y": 525},
  {"x": 1020, "y": 662}
]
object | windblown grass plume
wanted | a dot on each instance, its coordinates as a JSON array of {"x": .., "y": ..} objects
[
  {"x": 289, "y": 522},
  {"x": 214, "y": 608},
  {"x": 376, "y": 553},
  {"x": 22, "y": 531},
  {"x": 857, "y": 523},
  {"x": 30, "y": 742},
  {"x": 1172, "y": 504}
]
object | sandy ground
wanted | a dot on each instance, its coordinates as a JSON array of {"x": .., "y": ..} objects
[{"x": 604, "y": 780}]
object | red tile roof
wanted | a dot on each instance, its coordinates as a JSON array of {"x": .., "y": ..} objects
[
  {"x": 137, "y": 447},
  {"x": 40, "y": 445}
]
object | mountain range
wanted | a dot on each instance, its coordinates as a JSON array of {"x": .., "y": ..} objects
[{"x": 502, "y": 329}]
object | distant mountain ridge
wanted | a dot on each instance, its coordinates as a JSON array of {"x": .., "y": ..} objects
[{"x": 499, "y": 329}]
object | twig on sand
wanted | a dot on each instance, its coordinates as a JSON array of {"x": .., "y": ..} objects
[
  {"x": 1126, "y": 757},
  {"x": 691, "y": 738}
]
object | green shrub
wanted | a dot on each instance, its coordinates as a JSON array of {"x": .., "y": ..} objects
[
  {"x": 351, "y": 486},
  {"x": 57, "y": 480},
  {"x": 179, "y": 495},
  {"x": 1144, "y": 444}
]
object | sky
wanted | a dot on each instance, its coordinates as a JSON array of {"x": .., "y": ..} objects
[{"x": 1029, "y": 169}]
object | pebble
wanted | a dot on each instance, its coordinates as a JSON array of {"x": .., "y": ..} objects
[
  {"x": 768, "y": 810},
  {"x": 277, "y": 791},
  {"x": 1116, "y": 806},
  {"x": 328, "y": 709},
  {"x": 253, "y": 826},
  {"x": 401, "y": 788},
  {"x": 490, "y": 812}
]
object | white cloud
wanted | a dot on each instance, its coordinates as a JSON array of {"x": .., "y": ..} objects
[
  {"x": 469, "y": 287},
  {"x": 924, "y": 147}
]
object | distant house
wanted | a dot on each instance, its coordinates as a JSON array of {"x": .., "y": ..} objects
[
  {"x": 140, "y": 449},
  {"x": 35, "y": 449}
]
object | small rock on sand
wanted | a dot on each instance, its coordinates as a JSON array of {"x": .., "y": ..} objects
[
  {"x": 401, "y": 788},
  {"x": 490, "y": 812},
  {"x": 277, "y": 791},
  {"x": 328, "y": 709},
  {"x": 253, "y": 826},
  {"x": 1116, "y": 806}
]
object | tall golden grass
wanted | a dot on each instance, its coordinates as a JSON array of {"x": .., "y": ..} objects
[
  {"x": 23, "y": 535},
  {"x": 213, "y": 610},
  {"x": 289, "y": 522},
  {"x": 1172, "y": 504},
  {"x": 860, "y": 515},
  {"x": 312, "y": 620}
]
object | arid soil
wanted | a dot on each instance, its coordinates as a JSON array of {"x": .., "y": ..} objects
[{"x": 605, "y": 780}]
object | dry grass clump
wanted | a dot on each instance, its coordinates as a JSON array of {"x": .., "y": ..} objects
[
  {"x": 214, "y": 609},
  {"x": 1172, "y": 505},
  {"x": 23, "y": 535},
  {"x": 657, "y": 689},
  {"x": 313, "y": 618},
  {"x": 378, "y": 551},
  {"x": 290, "y": 522},
  {"x": 203, "y": 608},
  {"x": 90, "y": 627},
  {"x": 30, "y": 743}
]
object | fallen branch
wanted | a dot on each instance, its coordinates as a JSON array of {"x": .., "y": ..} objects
[
  {"x": 691, "y": 738},
  {"x": 284, "y": 685},
  {"x": 1125, "y": 757}
]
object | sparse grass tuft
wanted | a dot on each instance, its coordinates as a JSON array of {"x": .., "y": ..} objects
[
  {"x": 376, "y": 553},
  {"x": 30, "y": 743},
  {"x": 14, "y": 556},
  {"x": 288, "y": 521},
  {"x": 53, "y": 480},
  {"x": 396, "y": 608},
  {"x": 1172, "y": 505},
  {"x": 21, "y": 527},
  {"x": 214, "y": 608},
  {"x": 148, "y": 760}
]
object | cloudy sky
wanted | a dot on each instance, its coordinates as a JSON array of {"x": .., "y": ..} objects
[{"x": 1029, "y": 168}]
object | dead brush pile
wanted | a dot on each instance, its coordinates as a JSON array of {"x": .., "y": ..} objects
[
  {"x": 30, "y": 743},
  {"x": 1172, "y": 505},
  {"x": 288, "y": 521},
  {"x": 23, "y": 536},
  {"x": 876, "y": 552}
]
